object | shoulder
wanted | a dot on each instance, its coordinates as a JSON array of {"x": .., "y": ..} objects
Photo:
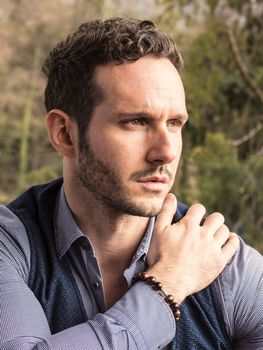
[
  {"x": 241, "y": 290},
  {"x": 14, "y": 243},
  {"x": 247, "y": 257},
  {"x": 180, "y": 212},
  {"x": 245, "y": 266}
]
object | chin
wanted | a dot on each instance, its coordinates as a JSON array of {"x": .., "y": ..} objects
[{"x": 149, "y": 207}]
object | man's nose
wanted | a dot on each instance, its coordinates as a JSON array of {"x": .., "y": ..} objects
[{"x": 164, "y": 146}]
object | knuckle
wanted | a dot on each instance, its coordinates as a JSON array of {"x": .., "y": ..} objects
[
  {"x": 225, "y": 229},
  {"x": 236, "y": 240},
  {"x": 233, "y": 242},
  {"x": 168, "y": 208},
  {"x": 188, "y": 225},
  {"x": 218, "y": 216},
  {"x": 199, "y": 206}
]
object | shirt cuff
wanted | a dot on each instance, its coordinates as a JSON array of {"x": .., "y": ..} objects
[{"x": 146, "y": 316}]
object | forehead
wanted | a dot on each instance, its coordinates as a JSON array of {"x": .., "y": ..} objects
[{"x": 144, "y": 83}]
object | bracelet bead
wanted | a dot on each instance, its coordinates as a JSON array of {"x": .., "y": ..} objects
[
  {"x": 169, "y": 298},
  {"x": 152, "y": 279},
  {"x": 157, "y": 286}
]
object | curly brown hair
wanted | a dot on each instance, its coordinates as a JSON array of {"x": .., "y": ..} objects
[{"x": 70, "y": 66}]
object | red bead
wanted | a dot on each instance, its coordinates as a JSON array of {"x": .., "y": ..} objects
[
  {"x": 174, "y": 306},
  {"x": 177, "y": 315},
  {"x": 145, "y": 276},
  {"x": 152, "y": 279},
  {"x": 169, "y": 298},
  {"x": 159, "y": 285}
]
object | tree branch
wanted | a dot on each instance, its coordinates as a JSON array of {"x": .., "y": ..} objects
[
  {"x": 248, "y": 136},
  {"x": 241, "y": 64}
]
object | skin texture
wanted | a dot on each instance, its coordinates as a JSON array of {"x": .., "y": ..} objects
[
  {"x": 120, "y": 173},
  {"x": 194, "y": 255},
  {"x": 134, "y": 134}
]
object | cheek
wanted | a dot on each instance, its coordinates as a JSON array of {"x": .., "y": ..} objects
[
  {"x": 176, "y": 142},
  {"x": 177, "y": 145},
  {"x": 180, "y": 141},
  {"x": 180, "y": 146},
  {"x": 127, "y": 158},
  {"x": 112, "y": 143},
  {"x": 118, "y": 153}
]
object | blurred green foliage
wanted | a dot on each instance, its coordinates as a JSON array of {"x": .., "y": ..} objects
[
  {"x": 222, "y": 163},
  {"x": 221, "y": 42}
]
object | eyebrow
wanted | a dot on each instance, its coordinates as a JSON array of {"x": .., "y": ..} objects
[{"x": 183, "y": 117}]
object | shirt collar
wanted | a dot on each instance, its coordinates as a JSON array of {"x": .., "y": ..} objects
[
  {"x": 67, "y": 231},
  {"x": 143, "y": 248}
]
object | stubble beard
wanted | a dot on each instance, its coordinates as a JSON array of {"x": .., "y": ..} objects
[{"x": 103, "y": 181}]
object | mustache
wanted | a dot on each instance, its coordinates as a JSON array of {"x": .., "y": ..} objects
[{"x": 151, "y": 171}]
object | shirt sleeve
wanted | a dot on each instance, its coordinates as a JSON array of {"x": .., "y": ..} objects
[
  {"x": 242, "y": 292},
  {"x": 139, "y": 320}
]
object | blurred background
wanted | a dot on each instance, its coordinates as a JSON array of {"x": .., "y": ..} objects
[{"x": 222, "y": 46}]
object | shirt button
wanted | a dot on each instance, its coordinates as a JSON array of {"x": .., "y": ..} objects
[{"x": 96, "y": 285}]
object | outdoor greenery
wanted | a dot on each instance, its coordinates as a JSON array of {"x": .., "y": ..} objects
[{"x": 221, "y": 42}]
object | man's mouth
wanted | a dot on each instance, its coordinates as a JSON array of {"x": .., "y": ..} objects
[{"x": 154, "y": 183}]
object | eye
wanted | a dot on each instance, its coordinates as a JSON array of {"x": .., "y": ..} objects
[
  {"x": 175, "y": 123},
  {"x": 137, "y": 122}
]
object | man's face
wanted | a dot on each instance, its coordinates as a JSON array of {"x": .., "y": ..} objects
[{"x": 131, "y": 149}]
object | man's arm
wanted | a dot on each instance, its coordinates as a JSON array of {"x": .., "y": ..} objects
[
  {"x": 139, "y": 320},
  {"x": 240, "y": 283},
  {"x": 24, "y": 324},
  {"x": 241, "y": 287},
  {"x": 177, "y": 250}
]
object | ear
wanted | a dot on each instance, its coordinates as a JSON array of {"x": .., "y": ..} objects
[{"x": 62, "y": 131}]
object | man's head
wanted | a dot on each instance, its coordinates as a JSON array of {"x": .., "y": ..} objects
[
  {"x": 123, "y": 108},
  {"x": 71, "y": 65}
]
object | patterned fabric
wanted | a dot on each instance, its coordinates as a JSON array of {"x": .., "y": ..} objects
[
  {"x": 201, "y": 325},
  {"x": 50, "y": 278},
  {"x": 54, "y": 286}
]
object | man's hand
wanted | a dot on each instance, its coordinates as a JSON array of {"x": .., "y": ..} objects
[{"x": 185, "y": 256}]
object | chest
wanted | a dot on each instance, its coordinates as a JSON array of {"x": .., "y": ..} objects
[
  {"x": 100, "y": 287},
  {"x": 114, "y": 286}
]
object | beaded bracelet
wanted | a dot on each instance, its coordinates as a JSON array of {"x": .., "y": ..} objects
[{"x": 157, "y": 286}]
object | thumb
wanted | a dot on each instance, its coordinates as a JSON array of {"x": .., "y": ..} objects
[
  {"x": 167, "y": 212},
  {"x": 163, "y": 220}
]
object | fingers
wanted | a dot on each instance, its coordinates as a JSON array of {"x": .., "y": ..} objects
[
  {"x": 195, "y": 214},
  {"x": 168, "y": 211},
  {"x": 213, "y": 222},
  {"x": 222, "y": 235},
  {"x": 231, "y": 246}
]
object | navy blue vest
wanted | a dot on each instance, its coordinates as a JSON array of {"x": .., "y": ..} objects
[{"x": 200, "y": 328}]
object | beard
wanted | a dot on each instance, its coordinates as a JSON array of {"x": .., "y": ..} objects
[{"x": 105, "y": 183}]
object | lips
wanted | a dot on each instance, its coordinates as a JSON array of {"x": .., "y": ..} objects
[
  {"x": 154, "y": 183},
  {"x": 158, "y": 179}
]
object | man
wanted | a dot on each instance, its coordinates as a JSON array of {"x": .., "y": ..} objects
[{"x": 69, "y": 249}]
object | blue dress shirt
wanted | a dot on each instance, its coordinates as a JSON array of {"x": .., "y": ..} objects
[{"x": 139, "y": 320}]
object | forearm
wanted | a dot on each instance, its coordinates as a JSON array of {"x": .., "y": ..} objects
[{"x": 140, "y": 320}]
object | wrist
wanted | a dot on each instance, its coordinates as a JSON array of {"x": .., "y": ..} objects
[
  {"x": 171, "y": 285},
  {"x": 157, "y": 286}
]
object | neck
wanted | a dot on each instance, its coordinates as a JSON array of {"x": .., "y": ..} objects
[{"x": 115, "y": 236}]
